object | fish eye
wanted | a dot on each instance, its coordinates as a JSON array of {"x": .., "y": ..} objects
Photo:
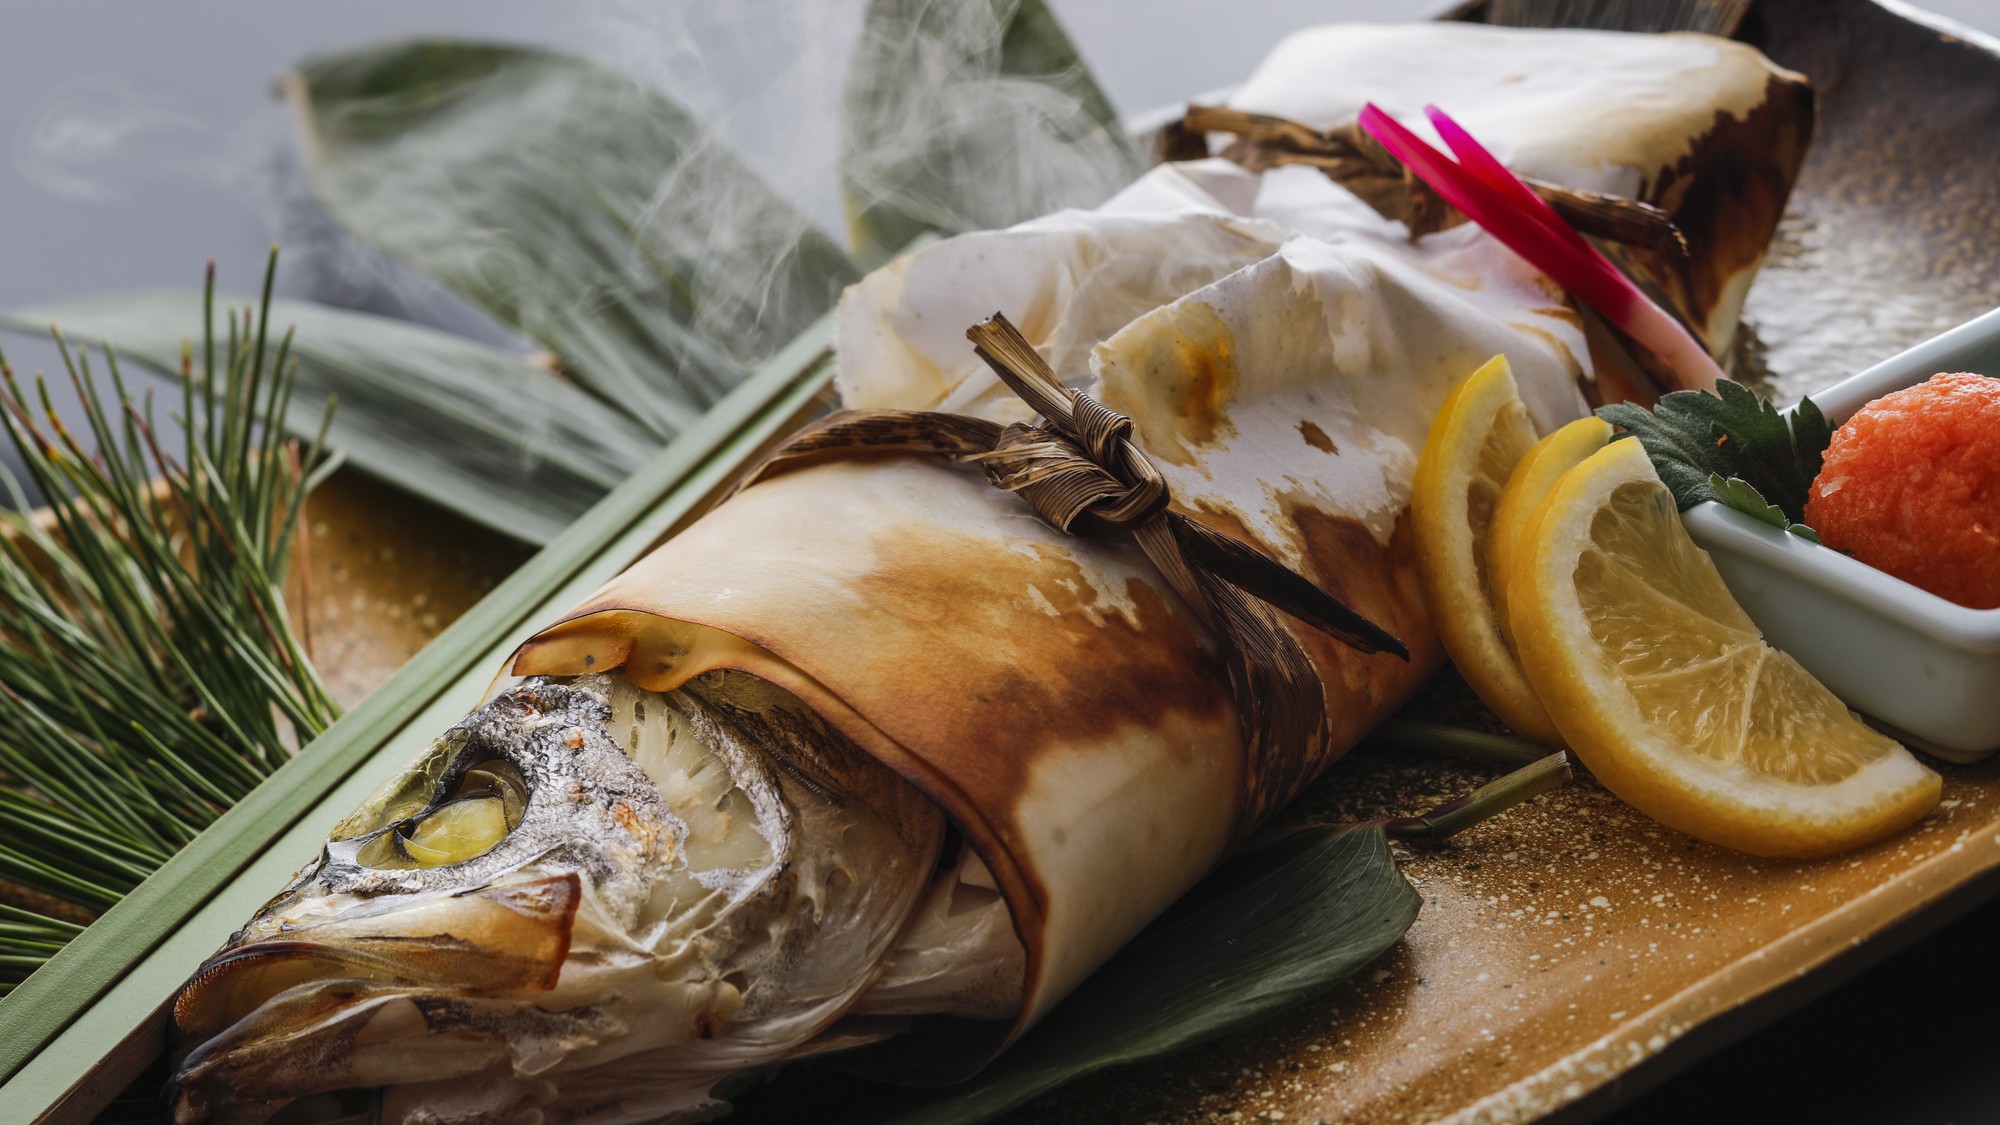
[
  {"x": 487, "y": 803},
  {"x": 400, "y": 797}
]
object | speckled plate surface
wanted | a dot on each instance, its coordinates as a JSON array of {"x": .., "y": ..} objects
[
  {"x": 381, "y": 573},
  {"x": 1559, "y": 948},
  {"x": 1570, "y": 953},
  {"x": 1893, "y": 231}
]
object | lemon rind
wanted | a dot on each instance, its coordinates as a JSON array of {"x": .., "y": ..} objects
[
  {"x": 1726, "y": 803},
  {"x": 1534, "y": 477}
]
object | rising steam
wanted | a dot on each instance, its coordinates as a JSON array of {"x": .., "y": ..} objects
[
  {"x": 957, "y": 120},
  {"x": 935, "y": 116},
  {"x": 94, "y": 138}
]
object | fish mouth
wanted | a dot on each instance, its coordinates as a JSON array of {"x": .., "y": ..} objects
[{"x": 339, "y": 1005}]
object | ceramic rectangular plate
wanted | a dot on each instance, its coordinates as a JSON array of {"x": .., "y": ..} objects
[{"x": 1568, "y": 953}]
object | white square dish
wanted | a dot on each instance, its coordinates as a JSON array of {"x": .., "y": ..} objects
[{"x": 1925, "y": 667}]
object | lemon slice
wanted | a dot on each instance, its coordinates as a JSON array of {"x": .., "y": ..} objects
[
  {"x": 1667, "y": 691},
  {"x": 1531, "y": 482},
  {"x": 1479, "y": 434}
]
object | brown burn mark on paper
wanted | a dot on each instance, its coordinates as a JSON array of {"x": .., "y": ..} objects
[
  {"x": 1054, "y": 666},
  {"x": 1348, "y": 561},
  {"x": 1176, "y": 381},
  {"x": 1345, "y": 559},
  {"x": 1040, "y": 664}
]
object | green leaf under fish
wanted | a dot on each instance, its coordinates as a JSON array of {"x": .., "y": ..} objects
[{"x": 1269, "y": 930}]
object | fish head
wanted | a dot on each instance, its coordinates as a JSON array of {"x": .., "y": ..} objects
[
  {"x": 577, "y": 875},
  {"x": 436, "y": 924}
]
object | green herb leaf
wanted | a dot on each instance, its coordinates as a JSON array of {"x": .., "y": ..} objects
[
  {"x": 1732, "y": 434},
  {"x": 478, "y": 431},
  {"x": 1811, "y": 434},
  {"x": 967, "y": 115},
  {"x": 1684, "y": 461},
  {"x": 573, "y": 203},
  {"x": 1265, "y": 932}
]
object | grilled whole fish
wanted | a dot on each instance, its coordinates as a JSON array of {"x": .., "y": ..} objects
[
  {"x": 869, "y": 740},
  {"x": 587, "y": 901}
]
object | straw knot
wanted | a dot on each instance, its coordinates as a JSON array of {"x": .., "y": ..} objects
[{"x": 1095, "y": 471}]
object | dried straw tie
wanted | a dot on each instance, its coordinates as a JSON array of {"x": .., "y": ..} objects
[
  {"x": 1081, "y": 462},
  {"x": 1360, "y": 163}
]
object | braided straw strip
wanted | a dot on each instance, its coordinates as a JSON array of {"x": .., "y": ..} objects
[{"x": 1359, "y": 163}]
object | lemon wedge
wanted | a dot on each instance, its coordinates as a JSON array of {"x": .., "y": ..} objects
[
  {"x": 1475, "y": 441},
  {"x": 1666, "y": 689},
  {"x": 1531, "y": 482}
]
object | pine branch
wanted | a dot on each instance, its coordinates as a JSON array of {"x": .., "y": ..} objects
[{"x": 149, "y": 674}]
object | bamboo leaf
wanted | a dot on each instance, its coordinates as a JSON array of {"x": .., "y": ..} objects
[
  {"x": 1273, "y": 929},
  {"x": 971, "y": 114},
  {"x": 583, "y": 208},
  {"x": 471, "y": 428}
]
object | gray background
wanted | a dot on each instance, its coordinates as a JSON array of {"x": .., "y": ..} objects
[{"x": 143, "y": 139}]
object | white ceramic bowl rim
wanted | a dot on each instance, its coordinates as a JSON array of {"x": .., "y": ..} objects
[
  {"x": 1969, "y": 630},
  {"x": 1965, "y": 629},
  {"x": 1974, "y": 630}
]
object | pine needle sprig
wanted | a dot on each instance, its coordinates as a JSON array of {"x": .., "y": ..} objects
[{"x": 150, "y": 675}]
